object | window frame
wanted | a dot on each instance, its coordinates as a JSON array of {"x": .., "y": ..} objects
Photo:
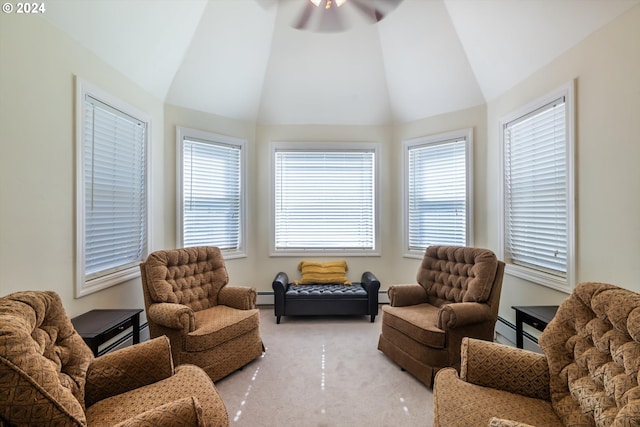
[
  {"x": 84, "y": 286},
  {"x": 539, "y": 276},
  {"x": 333, "y": 147},
  {"x": 431, "y": 140},
  {"x": 215, "y": 139}
]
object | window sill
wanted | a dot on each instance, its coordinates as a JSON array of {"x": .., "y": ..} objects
[
  {"x": 328, "y": 252},
  {"x": 103, "y": 282},
  {"x": 539, "y": 277},
  {"x": 414, "y": 254}
]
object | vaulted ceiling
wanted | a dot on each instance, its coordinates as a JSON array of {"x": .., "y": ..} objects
[{"x": 242, "y": 59}]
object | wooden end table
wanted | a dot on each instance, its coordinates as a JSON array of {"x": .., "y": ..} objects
[
  {"x": 537, "y": 316},
  {"x": 98, "y": 326}
]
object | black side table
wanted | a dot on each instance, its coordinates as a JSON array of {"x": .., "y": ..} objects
[
  {"x": 537, "y": 316},
  {"x": 98, "y": 326}
]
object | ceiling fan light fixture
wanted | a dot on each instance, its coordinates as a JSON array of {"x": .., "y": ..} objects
[{"x": 328, "y": 3}]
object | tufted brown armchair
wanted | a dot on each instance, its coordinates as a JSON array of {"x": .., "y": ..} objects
[
  {"x": 587, "y": 376},
  {"x": 210, "y": 324},
  {"x": 49, "y": 376},
  {"x": 457, "y": 295}
]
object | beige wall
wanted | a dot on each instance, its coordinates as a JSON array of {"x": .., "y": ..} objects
[
  {"x": 606, "y": 67},
  {"x": 37, "y": 212},
  {"x": 259, "y": 269},
  {"x": 37, "y": 163}
]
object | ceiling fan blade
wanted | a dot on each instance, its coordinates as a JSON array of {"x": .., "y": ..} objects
[
  {"x": 371, "y": 12},
  {"x": 267, "y": 4},
  {"x": 303, "y": 19}
]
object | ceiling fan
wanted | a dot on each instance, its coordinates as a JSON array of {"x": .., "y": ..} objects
[
  {"x": 327, "y": 16},
  {"x": 331, "y": 16}
]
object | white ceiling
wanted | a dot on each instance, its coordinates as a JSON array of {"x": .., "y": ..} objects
[{"x": 241, "y": 59}]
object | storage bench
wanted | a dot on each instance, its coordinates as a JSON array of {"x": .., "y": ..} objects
[{"x": 359, "y": 298}]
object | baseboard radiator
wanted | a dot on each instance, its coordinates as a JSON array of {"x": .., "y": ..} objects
[
  {"x": 506, "y": 334},
  {"x": 124, "y": 339}
]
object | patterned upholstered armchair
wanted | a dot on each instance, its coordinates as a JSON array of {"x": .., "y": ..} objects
[
  {"x": 49, "y": 376},
  {"x": 210, "y": 324},
  {"x": 587, "y": 376},
  {"x": 457, "y": 295}
]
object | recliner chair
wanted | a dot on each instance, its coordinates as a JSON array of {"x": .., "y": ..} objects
[
  {"x": 210, "y": 324},
  {"x": 49, "y": 376},
  {"x": 457, "y": 295}
]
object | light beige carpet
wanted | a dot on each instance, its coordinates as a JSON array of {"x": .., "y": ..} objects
[{"x": 324, "y": 371}]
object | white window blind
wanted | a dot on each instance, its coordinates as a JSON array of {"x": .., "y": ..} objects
[
  {"x": 211, "y": 194},
  {"x": 437, "y": 194},
  {"x": 325, "y": 200},
  {"x": 115, "y": 191},
  {"x": 536, "y": 182}
]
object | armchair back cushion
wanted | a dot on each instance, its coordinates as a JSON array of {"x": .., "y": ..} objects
[
  {"x": 43, "y": 361},
  {"x": 191, "y": 276},
  {"x": 457, "y": 274},
  {"x": 593, "y": 351}
]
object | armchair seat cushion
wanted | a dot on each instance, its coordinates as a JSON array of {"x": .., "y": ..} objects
[
  {"x": 219, "y": 324},
  {"x": 483, "y": 403},
  {"x": 188, "y": 381},
  {"x": 417, "y": 322}
]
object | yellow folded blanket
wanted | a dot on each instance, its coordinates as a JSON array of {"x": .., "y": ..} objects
[{"x": 322, "y": 272}]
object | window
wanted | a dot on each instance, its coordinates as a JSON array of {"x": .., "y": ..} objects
[
  {"x": 112, "y": 190},
  {"x": 438, "y": 191},
  {"x": 210, "y": 191},
  {"x": 538, "y": 188},
  {"x": 324, "y": 199}
]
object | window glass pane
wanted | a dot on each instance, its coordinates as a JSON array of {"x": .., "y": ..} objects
[
  {"x": 325, "y": 199},
  {"x": 437, "y": 194},
  {"x": 212, "y": 194},
  {"x": 536, "y": 189},
  {"x": 115, "y": 234}
]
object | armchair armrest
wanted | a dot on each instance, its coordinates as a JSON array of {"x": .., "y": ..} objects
[
  {"x": 127, "y": 369},
  {"x": 174, "y": 316},
  {"x": 402, "y": 295},
  {"x": 458, "y": 314},
  {"x": 183, "y": 412},
  {"x": 240, "y": 297},
  {"x": 511, "y": 369}
]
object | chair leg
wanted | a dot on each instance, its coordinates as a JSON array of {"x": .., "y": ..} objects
[{"x": 277, "y": 320}]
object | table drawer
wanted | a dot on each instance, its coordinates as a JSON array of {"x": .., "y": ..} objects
[{"x": 117, "y": 330}]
